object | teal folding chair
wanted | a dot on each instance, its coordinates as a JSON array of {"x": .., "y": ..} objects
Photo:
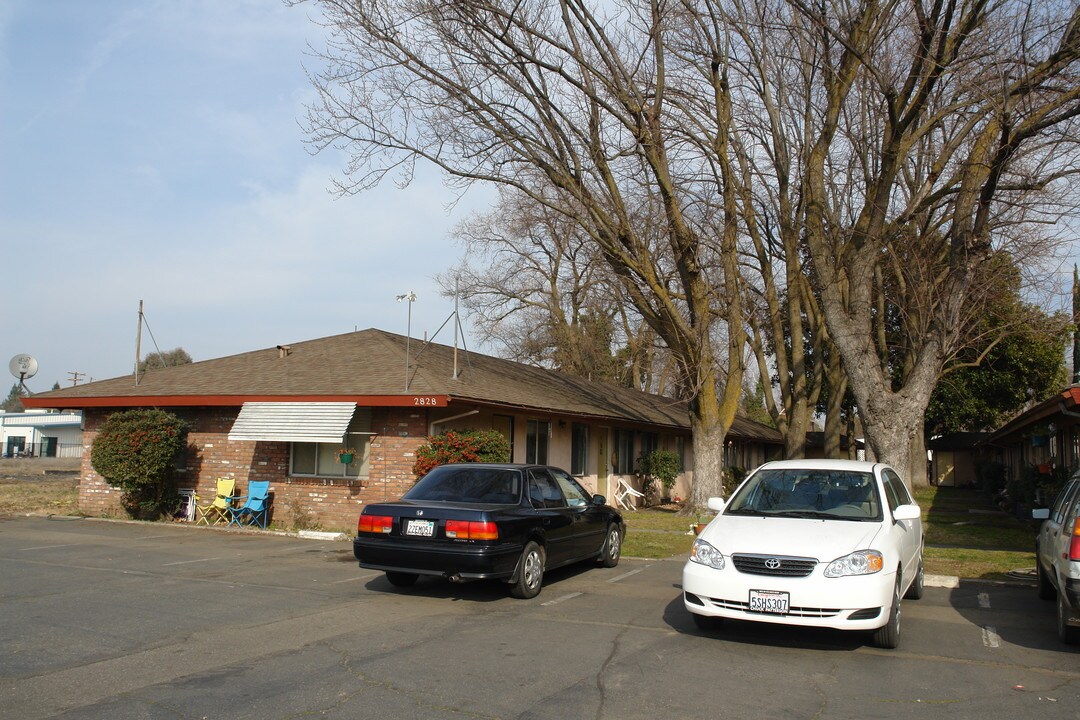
[{"x": 255, "y": 507}]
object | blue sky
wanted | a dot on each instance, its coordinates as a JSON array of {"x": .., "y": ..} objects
[{"x": 150, "y": 150}]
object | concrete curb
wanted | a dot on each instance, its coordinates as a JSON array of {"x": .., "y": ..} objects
[
  {"x": 942, "y": 581},
  {"x": 318, "y": 535}
]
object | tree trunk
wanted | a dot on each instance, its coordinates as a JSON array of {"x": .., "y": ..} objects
[
  {"x": 837, "y": 385},
  {"x": 795, "y": 434},
  {"x": 920, "y": 476},
  {"x": 708, "y": 462}
]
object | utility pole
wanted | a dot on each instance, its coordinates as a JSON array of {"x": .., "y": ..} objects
[
  {"x": 138, "y": 344},
  {"x": 410, "y": 297},
  {"x": 75, "y": 376}
]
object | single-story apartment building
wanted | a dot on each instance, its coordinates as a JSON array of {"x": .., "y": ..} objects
[
  {"x": 1045, "y": 436},
  {"x": 38, "y": 433},
  {"x": 284, "y": 413}
]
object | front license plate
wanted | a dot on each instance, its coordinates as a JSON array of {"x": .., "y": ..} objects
[
  {"x": 769, "y": 601},
  {"x": 422, "y": 528}
]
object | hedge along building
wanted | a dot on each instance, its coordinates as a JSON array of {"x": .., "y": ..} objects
[{"x": 285, "y": 413}]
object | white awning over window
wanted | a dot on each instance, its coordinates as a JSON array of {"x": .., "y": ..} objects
[{"x": 293, "y": 421}]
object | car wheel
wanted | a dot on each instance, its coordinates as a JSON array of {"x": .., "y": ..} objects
[
  {"x": 888, "y": 635},
  {"x": 612, "y": 549},
  {"x": 530, "y": 573},
  {"x": 401, "y": 579},
  {"x": 707, "y": 622},
  {"x": 1046, "y": 588},
  {"x": 918, "y": 585},
  {"x": 1069, "y": 635}
]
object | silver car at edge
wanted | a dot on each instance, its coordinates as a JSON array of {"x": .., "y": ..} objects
[{"x": 1057, "y": 558}]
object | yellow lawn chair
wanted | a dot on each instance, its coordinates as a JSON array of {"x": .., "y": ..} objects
[{"x": 218, "y": 510}]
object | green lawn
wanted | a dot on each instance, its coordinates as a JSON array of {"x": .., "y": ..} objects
[{"x": 965, "y": 535}]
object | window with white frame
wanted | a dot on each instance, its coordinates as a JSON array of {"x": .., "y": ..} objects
[{"x": 325, "y": 460}]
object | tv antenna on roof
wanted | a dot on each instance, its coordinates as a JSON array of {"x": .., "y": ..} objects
[{"x": 23, "y": 366}]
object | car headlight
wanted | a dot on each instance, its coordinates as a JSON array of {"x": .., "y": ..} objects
[
  {"x": 705, "y": 554},
  {"x": 861, "y": 562}
]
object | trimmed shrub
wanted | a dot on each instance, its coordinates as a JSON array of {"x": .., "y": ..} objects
[
  {"x": 456, "y": 446},
  {"x": 662, "y": 465},
  {"x": 135, "y": 450}
]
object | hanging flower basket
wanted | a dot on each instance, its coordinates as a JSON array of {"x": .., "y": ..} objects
[{"x": 345, "y": 457}]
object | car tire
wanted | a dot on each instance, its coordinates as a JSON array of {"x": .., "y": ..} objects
[
  {"x": 888, "y": 635},
  {"x": 1069, "y": 634},
  {"x": 401, "y": 579},
  {"x": 612, "y": 548},
  {"x": 917, "y": 588},
  {"x": 530, "y": 575},
  {"x": 1046, "y": 588},
  {"x": 707, "y": 622}
]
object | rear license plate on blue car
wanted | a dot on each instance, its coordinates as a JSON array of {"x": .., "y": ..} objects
[
  {"x": 769, "y": 601},
  {"x": 421, "y": 528}
]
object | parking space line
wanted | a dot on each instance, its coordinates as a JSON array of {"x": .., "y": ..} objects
[
  {"x": 156, "y": 537},
  {"x": 625, "y": 575},
  {"x": 984, "y": 600},
  {"x": 50, "y": 547},
  {"x": 990, "y": 637},
  {"x": 357, "y": 578},
  {"x": 558, "y": 600},
  {"x": 188, "y": 562}
]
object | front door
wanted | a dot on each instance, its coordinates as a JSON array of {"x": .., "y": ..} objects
[
  {"x": 48, "y": 447},
  {"x": 603, "y": 469}
]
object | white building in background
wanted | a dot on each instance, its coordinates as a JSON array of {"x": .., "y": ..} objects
[{"x": 41, "y": 434}]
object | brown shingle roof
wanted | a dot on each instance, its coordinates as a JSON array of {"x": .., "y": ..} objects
[{"x": 372, "y": 363}]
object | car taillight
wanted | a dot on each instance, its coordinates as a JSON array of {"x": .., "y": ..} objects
[
  {"x": 1074, "y": 545},
  {"x": 467, "y": 530},
  {"x": 375, "y": 523}
]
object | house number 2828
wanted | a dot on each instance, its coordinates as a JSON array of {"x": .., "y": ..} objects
[{"x": 425, "y": 401}]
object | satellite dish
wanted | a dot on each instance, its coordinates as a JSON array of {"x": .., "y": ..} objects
[{"x": 23, "y": 366}]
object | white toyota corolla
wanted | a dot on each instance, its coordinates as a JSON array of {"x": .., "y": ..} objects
[{"x": 818, "y": 543}]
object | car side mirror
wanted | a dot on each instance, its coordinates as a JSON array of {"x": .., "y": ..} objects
[
  {"x": 1040, "y": 513},
  {"x": 716, "y": 504},
  {"x": 599, "y": 500},
  {"x": 907, "y": 512}
]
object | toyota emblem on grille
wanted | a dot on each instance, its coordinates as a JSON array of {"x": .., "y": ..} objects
[{"x": 772, "y": 564}]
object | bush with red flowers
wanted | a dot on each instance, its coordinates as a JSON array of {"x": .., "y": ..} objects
[{"x": 456, "y": 446}]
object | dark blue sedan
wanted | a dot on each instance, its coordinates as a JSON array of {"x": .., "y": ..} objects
[{"x": 484, "y": 521}]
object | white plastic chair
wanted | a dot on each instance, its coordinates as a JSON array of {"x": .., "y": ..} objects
[{"x": 626, "y": 496}]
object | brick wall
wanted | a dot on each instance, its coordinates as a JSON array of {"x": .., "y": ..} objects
[{"x": 332, "y": 504}]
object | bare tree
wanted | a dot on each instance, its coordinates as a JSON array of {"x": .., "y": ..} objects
[
  {"x": 917, "y": 139},
  {"x": 870, "y": 156},
  {"x": 536, "y": 288},
  {"x": 589, "y": 100}
]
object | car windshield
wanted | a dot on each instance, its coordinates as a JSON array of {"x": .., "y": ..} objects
[
  {"x": 493, "y": 486},
  {"x": 810, "y": 493}
]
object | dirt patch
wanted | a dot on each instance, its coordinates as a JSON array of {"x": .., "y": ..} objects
[{"x": 39, "y": 486}]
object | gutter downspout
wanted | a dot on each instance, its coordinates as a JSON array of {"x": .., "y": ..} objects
[
  {"x": 1066, "y": 413},
  {"x": 431, "y": 427}
]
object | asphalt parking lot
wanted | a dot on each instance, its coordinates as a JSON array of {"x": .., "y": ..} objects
[{"x": 123, "y": 620}]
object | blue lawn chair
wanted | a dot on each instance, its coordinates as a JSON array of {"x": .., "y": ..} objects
[{"x": 256, "y": 505}]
